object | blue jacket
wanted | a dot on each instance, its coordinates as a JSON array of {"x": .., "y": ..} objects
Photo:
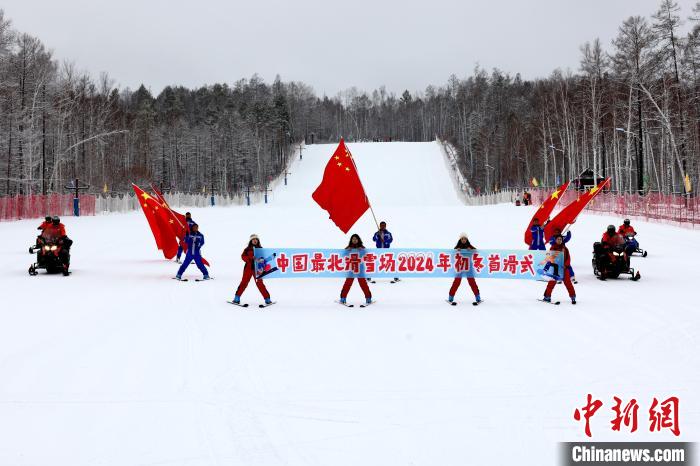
[
  {"x": 537, "y": 238},
  {"x": 383, "y": 242},
  {"x": 194, "y": 241},
  {"x": 567, "y": 237}
]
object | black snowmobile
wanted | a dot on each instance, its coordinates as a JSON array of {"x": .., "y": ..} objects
[
  {"x": 611, "y": 262},
  {"x": 52, "y": 256}
]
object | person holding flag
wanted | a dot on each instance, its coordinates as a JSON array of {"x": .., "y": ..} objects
[
  {"x": 194, "y": 241},
  {"x": 537, "y": 235},
  {"x": 188, "y": 227},
  {"x": 383, "y": 239}
]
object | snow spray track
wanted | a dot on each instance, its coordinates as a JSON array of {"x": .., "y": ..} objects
[{"x": 117, "y": 364}]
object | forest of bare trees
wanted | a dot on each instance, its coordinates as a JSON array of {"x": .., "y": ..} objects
[{"x": 631, "y": 111}]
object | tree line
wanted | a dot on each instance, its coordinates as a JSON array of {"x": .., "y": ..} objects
[{"x": 631, "y": 111}]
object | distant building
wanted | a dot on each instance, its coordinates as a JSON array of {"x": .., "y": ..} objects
[{"x": 586, "y": 180}]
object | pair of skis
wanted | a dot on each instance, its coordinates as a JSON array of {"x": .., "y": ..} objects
[
  {"x": 261, "y": 306},
  {"x": 454, "y": 303},
  {"x": 352, "y": 305},
  {"x": 196, "y": 279},
  {"x": 393, "y": 280}
]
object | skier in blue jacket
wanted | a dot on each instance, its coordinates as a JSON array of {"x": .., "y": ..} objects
[
  {"x": 383, "y": 239},
  {"x": 195, "y": 241},
  {"x": 190, "y": 222},
  {"x": 537, "y": 232}
]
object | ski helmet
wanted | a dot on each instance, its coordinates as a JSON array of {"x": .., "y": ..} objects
[
  {"x": 611, "y": 229},
  {"x": 47, "y": 218},
  {"x": 55, "y": 220},
  {"x": 626, "y": 222}
]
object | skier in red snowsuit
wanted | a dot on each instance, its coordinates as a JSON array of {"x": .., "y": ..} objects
[
  {"x": 560, "y": 246},
  {"x": 248, "y": 257},
  {"x": 355, "y": 243},
  {"x": 463, "y": 243}
]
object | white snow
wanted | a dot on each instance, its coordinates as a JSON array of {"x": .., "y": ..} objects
[{"x": 120, "y": 365}]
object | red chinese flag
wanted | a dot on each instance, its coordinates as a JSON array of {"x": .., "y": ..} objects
[
  {"x": 177, "y": 221},
  {"x": 568, "y": 214},
  {"x": 149, "y": 214},
  {"x": 160, "y": 221},
  {"x": 542, "y": 214},
  {"x": 341, "y": 192}
]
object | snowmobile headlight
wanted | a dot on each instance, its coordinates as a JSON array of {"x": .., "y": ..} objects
[
  {"x": 46, "y": 248},
  {"x": 53, "y": 248}
]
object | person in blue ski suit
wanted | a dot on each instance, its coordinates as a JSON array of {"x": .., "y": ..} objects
[
  {"x": 537, "y": 243},
  {"x": 566, "y": 238},
  {"x": 383, "y": 239},
  {"x": 190, "y": 222},
  {"x": 195, "y": 241}
]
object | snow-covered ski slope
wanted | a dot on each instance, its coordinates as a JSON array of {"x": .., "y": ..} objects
[{"x": 120, "y": 365}]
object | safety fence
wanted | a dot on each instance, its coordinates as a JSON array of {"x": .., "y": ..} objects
[
  {"x": 672, "y": 208},
  {"x": 38, "y": 205}
]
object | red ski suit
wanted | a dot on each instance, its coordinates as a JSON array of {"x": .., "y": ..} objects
[
  {"x": 248, "y": 257},
  {"x": 567, "y": 276},
  {"x": 458, "y": 280},
  {"x": 361, "y": 280}
]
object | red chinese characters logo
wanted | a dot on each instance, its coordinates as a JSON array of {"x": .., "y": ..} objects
[
  {"x": 352, "y": 263},
  {"x": 477, "y": 262},
  {"x": 662, "y": 415}
]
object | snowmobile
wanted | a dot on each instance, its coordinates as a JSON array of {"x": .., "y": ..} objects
[
  {"x": 612, "y": 262},
  {"x": 632, "y": 246},
  {"x": 52, "y": 256}
]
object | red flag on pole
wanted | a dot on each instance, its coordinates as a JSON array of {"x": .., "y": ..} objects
[
  {"x": 177, "y": 222},
  {"x": 542, "y": 214},
  {"x": 341, "y": 192},
  {"x": 160, "y": 221},
  {"x": 568, "y": 214}
]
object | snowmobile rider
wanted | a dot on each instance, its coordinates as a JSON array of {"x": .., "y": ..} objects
[
  {"x": 56, "y": 233},
  {"x": 628, "y": 235},
  {"x": 626, "y": 229},
  {"x": 194, "y": 241}
]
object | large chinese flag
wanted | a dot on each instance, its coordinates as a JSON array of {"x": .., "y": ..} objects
[
  {"x": 542, "y": 214},
  {"x": 160, "y": 221},
  {"x": 176, "y": 221},
  {"x": 568, "y": 214},
  {"x": 341, "y": 192}
]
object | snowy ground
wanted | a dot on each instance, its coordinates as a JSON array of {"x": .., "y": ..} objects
[{"x": 119, "y": 365}]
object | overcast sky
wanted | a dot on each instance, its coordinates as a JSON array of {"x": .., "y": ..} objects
[{"x": 330, "y": 45}]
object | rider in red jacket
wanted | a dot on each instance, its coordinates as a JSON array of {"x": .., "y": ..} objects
[
  {"x": 626, "y": 229},
  {"x": 611, "y": 238}
]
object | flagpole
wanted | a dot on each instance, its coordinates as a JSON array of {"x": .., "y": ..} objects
[{"x": 363, "y": 186}]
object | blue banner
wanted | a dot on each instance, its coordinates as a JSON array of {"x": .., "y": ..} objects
[{"x": 438, "y": 263}]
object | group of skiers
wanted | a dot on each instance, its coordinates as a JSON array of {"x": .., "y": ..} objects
[{"x": 52, "y": 230}]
